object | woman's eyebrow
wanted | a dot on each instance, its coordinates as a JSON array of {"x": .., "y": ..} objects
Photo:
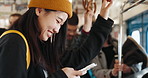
[{"x": 60, "y": 18}]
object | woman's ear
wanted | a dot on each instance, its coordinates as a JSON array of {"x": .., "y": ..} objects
[{"x": 38, "y": 11}]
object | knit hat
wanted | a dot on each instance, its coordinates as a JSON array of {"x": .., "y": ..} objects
[{"x": 59, "y": 5}]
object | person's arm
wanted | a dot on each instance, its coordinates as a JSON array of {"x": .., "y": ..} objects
[
  {"x": 92, "y": 45},
  {"x": 86, "y": 27},
  {"x": 99, "y": 32},
  {"x": 80, "y": 39},
  {"x": 88, "y": 21}
]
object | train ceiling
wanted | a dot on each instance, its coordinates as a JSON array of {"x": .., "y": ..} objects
[{"x": 11, "y": 6}]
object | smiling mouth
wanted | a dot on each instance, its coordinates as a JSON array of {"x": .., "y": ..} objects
[{"x": 50, "y": 31}]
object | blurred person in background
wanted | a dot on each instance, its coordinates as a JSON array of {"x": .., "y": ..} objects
[
  {"x": 107, "y": 59},
  {"x": 12, "y": 18},
  {"x": 75, "y": 40}
]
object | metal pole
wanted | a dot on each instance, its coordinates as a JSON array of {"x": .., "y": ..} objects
[{"x": 120, "y": 41}]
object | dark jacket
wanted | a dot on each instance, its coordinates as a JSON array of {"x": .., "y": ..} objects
[
  {"x": 13, "y": 54},
  {"x": 2, "y": 30}
]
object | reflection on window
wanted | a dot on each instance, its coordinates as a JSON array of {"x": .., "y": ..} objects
[{"x": 136, "y": 36}]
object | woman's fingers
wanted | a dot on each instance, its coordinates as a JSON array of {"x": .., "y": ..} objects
[
  {"x": 105, "y": 8},
  {"x": 78, "y": 73},
  {"x": 116, "y": 61},
  {"x": 110, "y": 4},
  {"x": 71, "y": 73},
  {"x": 114, "y": 72},
  {"x": 118, "y": 67},
  {"x": 104, "y": 2}
]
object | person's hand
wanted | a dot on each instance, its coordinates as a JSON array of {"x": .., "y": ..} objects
[
  {"x": 123, "y": 67},
  {"x": 116, "y": 68},
  {"x": 88, "y": 20},
  {"x": 71, "y": 73},
  {"x": 126, "y": 68},
  {"x": 105, "y": 9}
]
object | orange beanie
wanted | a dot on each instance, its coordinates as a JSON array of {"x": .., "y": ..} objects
[{"x": 59, "y": 5}]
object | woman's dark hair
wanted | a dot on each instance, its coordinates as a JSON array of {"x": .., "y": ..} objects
[
  {"x": 46, "y": 54},
  {"x": 74, "y": 20}
]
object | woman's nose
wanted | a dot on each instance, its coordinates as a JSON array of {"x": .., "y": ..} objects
[{"x": 56, "y": 29}]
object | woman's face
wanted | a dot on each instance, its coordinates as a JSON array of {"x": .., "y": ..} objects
[{"x": 50, "y": 22}]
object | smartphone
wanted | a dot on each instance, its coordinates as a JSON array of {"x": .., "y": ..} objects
[
  {"x": 89, "y": 67},
  {"x": 84, "y": 70}
]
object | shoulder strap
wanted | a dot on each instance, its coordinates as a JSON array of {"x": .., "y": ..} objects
[{"x": 27, "y": 47}]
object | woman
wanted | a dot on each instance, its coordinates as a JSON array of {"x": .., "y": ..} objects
[{"x": 44, "y": 26}]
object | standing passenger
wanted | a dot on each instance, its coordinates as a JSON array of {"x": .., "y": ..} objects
[
  {"x": 74, "y": 40},
  {"x": 13, "y": 18},
  {"x": 108, "y": 65},
  {"x": 44, "y": 26}
]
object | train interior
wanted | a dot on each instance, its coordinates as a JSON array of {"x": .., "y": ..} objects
[{"x": 131, "y": 15}]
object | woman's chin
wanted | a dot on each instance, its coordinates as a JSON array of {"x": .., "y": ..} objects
[{"x": 44, "y": 38}]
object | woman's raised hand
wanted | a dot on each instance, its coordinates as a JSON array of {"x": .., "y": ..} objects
[
  {"x": 88, "y": 20},
  {"x": 105, "y": 8}
]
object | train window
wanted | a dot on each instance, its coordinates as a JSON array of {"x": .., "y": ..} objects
[
  {"x": 136, "y": 36},
  {"x": 137, "y": 27},
  {"x": 147, "y": 40}
]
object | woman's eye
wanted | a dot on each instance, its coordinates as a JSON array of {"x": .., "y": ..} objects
[{"x": 58, "y": 21}]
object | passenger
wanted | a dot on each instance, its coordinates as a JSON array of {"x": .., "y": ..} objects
[
  {"x": 12, "y": 19},
  {"x": 72, "y": 27},
  {"x": 107, "y": 63},
  {"x": 105, "y": 58},
  {"x": 75, "y": 40},
  {"x": 44, "y": 26}
]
